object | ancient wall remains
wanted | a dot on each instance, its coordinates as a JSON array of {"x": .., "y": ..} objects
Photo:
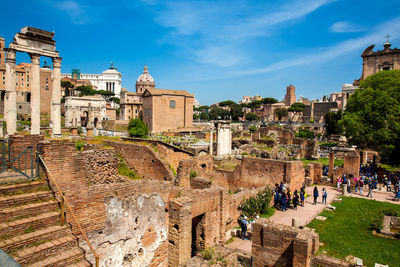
[
  {"x": 281, "y": 245},
  {"x": 143, "y": 160},
  {"x": 201, "y": 166}
]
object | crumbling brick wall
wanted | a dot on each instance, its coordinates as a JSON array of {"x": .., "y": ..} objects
[
  {"x": 281, "y": 245},
  {"x": 143, "y": 160},
  {"x": 201, "y": 166},
  {"x": 18, "y": 143}
]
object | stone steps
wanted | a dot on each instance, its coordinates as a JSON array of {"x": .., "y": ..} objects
[
  {"x": 29, "y": 224},
  {"x": 24, "y": 240},
  {"x": 11, "y": 189},
  {"x": 14, "y": 200},
  {"x": 40, "y": 252},
  {"x": 31, "y": 209},
  {"x": 68, "y": 257}
]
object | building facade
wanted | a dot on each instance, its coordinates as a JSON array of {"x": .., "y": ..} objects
[
  {"x": 86, "y": 111},
  {"x": 165, "y": 110},
  {"x": 290, "y": 96},
  {"x": 386, "y": 59},
  {"x": 108, "y": 80}
]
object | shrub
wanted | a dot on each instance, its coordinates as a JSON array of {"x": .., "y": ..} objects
[
  {"x": 193, "y": 174},
  {"x": 257, "y": 205},
  {"x": 377, "y": 222},
  {"x": 124, "y": 170},
  {"x": 80, "y": 131},
  {"x": 137, "y": 128},
  {"x": 79, "y": 145},
  {"x": 304, "y": 133},
  {"x": 208, "y": 253},
  {"x": 253, "y": 128}
]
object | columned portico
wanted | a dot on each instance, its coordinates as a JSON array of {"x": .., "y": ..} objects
[
  {"x": 35, "y": 94},
  {"x": 56, "y": 97},
  {"x": 11, "y": 95}
]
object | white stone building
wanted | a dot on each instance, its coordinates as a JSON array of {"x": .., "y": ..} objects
[
  {"x": 86, "y": 111},
  {"x": 108, "y": 80}
]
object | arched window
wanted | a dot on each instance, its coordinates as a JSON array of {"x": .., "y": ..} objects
[{"x": 172, "y": 104}]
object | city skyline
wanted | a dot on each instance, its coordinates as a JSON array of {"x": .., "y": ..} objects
[{"x": 215, "y": 50}]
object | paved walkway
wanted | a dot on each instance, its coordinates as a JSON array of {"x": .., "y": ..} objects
[{"x": 307, "y": 213}]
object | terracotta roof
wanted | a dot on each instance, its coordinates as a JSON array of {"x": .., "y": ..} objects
[{"x": 155, "y": 91}]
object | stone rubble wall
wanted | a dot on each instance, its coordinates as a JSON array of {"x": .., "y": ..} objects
[{"x": 143, "y": 160}]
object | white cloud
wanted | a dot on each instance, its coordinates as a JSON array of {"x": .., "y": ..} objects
[
  {"x": 76, "y": 12},
  {"x": 214, "y": 32},
  {"x": 332, "y": 52},
  {"x": 345, "y": 26}
]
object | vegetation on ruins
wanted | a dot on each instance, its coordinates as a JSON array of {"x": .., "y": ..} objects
[
  {"x": 281, "y": 113},
  {"x": 347, "y": 231},
  {"x": 304, "y": 133},
  {"x": 79, "y": 145},
  {"x": 137, "y": 128},
  {"x": 323, "y": 160},
  {"x": 193, "y": 174},
  {"x": 124, "y": 170},
  {"x": 257, "y": 205},
  {"x": 253, "y": 128},
  {"x": 372, "y": 116},
  {"x": 332, "y": 122},
  {"x": 251, "y": 116}
]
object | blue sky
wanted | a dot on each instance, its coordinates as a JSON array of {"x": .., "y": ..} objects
[{"x": 217, "y": 50}]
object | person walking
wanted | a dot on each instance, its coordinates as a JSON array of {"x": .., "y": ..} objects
[
  {"x": 349, "y": 186},
  {"x": 324, "y": 196},
  {"x": 370, "y": 187},
  {"x": 338, "y": 182},
  {"x": 361, "y": 185},
  {"x": 289, "y": 198},
  {"x": 283, "y": 201},
  {"x": 243, "y": 225},
  {"x": 295, "y": 200},
  {"x": 302, "y": 196},
  {"x": 316, "y": 195}
]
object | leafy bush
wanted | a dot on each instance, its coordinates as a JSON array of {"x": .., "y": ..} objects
[
  {"x": 193, "y": 174},
  {"x": 124, "y": 170},
  {"x": 208, "y": 253},
  {"x": 79, "y": 145},
  {"x": 377, "y": 222},
  {"x": 257, "y": 205},
  {"x": 137, "y": 128},
  {"x": 80, "y": 131},
  {"x": 172, "y": 169},
  {"x": 253, "y": 128},
  {"x": 304, "y": 133}
]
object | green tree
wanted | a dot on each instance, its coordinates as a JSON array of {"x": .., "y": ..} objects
[
  {"x": 296, "y": 108},
  {"x": 68, "y": 86},
  {"x": 137, "y": 128},
  {"x": 204, "y": 116},
  {"x": 305, "y": 133},
  {"x": 226, "y": 103},
  {"x": 219, "y": 114},
  {"x": 85, "y": 90},
  {"x": 255, "y": 104},
  {"x": 196, "y": 116},
  {"x": 281, "y": 113},
  {"x": 269, "y": 100},
  {"x": 251, "y": 116},
  {"x": 372, "y": 115},
  {"x": 114, "y": 99},
  {"x": 236, "y": 111},
  {"x": 332, "y": 123}
]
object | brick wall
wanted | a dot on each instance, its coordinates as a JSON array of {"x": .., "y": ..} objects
[
  {"x": 202, "y": 166},
  {"x": 281, "y": 245},
  {"x": 18, "y": 143},
  {"x": 143, "y": 160}
]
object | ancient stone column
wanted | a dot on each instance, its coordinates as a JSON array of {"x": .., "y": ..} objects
[
  {"x": 211, "y": 140},
  {"x": 35, "y": 94},
  {"x": 56, "y": 97},
  {"x": 10, "y": 107},
  {"x": 331, "y": 164}
]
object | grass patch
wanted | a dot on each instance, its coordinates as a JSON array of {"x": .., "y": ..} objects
[
  {"x": 323, "y": 160},
  {"x": 347, "y": 231},
  {"x": 29, "y": 229},
  {"x": 268, "y": 213},
  {"x": 230, "y": 240},
  {"x": 124, "y": 170},
  {"x": 390, "y": 168}
]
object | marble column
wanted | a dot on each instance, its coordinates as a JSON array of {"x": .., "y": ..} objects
[
  {"x": 35, "y": 93},
  {"x": 56, "y": 97},
  {"x": 11, "y": 95}
]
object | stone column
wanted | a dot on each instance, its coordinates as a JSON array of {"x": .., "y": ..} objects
[
  {"x": 35, "y": 93},
  {"x": 56, "y": 97},
  {"x": 211, "y": 140},
  {"x": 11, "y": 95},
  {"x": 331, "y": 164}
]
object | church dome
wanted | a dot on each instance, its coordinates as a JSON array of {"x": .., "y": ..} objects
[{"x": 144, "y": 81}]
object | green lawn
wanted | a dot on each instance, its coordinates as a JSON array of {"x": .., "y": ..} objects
[{"x": 345, "y": 232}]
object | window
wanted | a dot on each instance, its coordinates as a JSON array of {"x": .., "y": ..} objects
[{"x": 172, "y": 104}]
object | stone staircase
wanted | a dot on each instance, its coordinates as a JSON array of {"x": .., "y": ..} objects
[{"x": 30, "y": 230}]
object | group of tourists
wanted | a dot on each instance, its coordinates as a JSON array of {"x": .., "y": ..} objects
[
  {"x": 368, "y": 181},
  {"x": 284, "y": 199}
]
